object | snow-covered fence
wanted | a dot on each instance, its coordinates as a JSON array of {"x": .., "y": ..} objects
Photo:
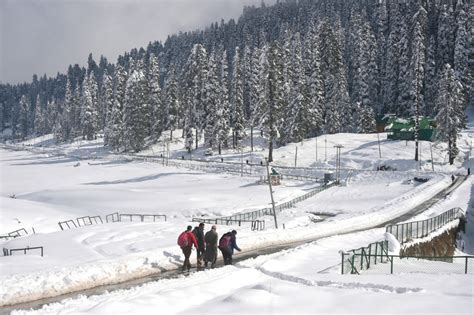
[
  {"x": 141, "y": 217},
  {"x": 8, "y": 252},
  {"x": 421, "y": 264},
  {"x": 113, "y": 217},
  {"x": 89, "y": 220},
  {"x": 18, "y": 233},
  {"x": 356, "y": 260},
  {"x": 255, "y": 225},
  {"x": 68, "y": 223},
  {"x": 253, "y": 215},
  {"x": 406, "y": 232}
]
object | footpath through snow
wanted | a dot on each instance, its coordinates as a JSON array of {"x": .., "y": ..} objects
[{"x": 19, "y": 288}]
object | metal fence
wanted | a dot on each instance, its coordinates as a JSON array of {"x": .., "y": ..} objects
[
  {"x": 395, "y": 264},
  {"x": 406, "y": 232},
  {"x": 113, "y": 217},
  {"x": 363, "y": 258},
  {"x": 8, "y": 252},
  {"x": 68, "y": 223},
  {"x": 18, "y": 233},
  {"x": 253, "y": 215},
  {"x": 255, "y": 225},
  {"x": 141, "y": 217}
]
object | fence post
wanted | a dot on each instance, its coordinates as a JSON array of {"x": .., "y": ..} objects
[
  {"x": 342, "y": 263},
  {"x": 391, "y": 266},
  {"x": 465, "y": 269}
]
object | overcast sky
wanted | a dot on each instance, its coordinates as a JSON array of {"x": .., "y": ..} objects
[{"x": 45, "y": 36}]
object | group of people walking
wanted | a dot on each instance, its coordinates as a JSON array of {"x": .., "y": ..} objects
[{"x": 206, "y": 246}]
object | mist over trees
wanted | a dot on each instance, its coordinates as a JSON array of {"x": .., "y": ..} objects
[{"x": 294, "y": 69}]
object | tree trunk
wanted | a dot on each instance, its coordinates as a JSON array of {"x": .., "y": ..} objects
[
  {"x": 251, "y": 138},
  {"x": 197, "y": 137},
  {"x": 270, "y": 151}
]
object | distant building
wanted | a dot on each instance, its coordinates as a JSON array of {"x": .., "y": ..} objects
[{"x": 404, "y": 128}]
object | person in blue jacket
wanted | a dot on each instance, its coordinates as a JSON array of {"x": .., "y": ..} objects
[{"x": 227, "y": 244}]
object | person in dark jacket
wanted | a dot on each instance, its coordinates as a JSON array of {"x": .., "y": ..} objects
[
  {"x": 210, "y": 255},
  {"x": 191, "y": 240},
  {"x": 228, "y": 249},
  {"x": 199, "y": 234}
]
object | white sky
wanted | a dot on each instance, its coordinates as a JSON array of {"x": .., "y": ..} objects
[{"x": 45, "y": 36}]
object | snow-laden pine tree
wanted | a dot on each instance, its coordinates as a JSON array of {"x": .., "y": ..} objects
[
  {"x": 155, "y": 97},
  {"x": 390, "y": 87},
  {"x": 417, "y": 64},
  {"x": 461, "y": 51},
  {"x": 238, "y": 119},
  {"x": 172, "y": 102},
  {"x": 212, "y": 102},
  {"x": 449, "y": 105},
  {"x": 337, "y": 97},
  {"x": 194, "y": 78},
  {"x": 366, "y": 118},
  {"x": 430, "y": 84},
  {"x": 314, "y": 81},
  {"x": 275, "y": 87},
  {"x": 222, "y": 118},
  {"x": 39, "y": 118},
  {"x": 297, "y": 122},
  {"x": 89, "y": 114},
  {"x": 116, "y": 125},
  {"x": 255, "y": 91},
  {"x": 107, "y": 101},
  {"x": 136, "y": 111},
  {"x": 446, "y": 36},
  {"x": 403, "y": 104},
  {"x": 22, "y": 126}
]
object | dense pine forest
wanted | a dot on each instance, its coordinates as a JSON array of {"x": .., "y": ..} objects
[{"x": 295, "y": 69}]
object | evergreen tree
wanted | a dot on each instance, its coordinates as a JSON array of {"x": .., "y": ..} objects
[
  {"x": 366, "y": 115},
  {"x": 238, "y": 98},
  {"x": 418, "y": 72},
  {"x": 155, "y": 97},
  {"x": 107, "y": 101},
  {"x": 89, "y": 116},
  {"x": 135, "y": 111},
  {"x": 450, "y": 118},
  {"x": 461, "y": 52},
  {"x": 39, "y": 119},
  {"x": 430, "y": 84},
  {"x": 222, "y": 125},
  {"x": 315, "y": 81},
  {"x": 196, "y": 73},
  {"x": 298, "y": 101},
  {"x": 22, "y": 127},
  {"x": 212, "y": 90},
  {"x": 172, "y": 103},
  {"x": 116, "y": 126}
]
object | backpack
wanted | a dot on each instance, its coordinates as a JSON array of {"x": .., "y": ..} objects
[
  {"x": 224, "y": 241},
  {"x": 183, "y": 240}
]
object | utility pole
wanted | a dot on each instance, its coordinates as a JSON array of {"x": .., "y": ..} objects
[
  {"x": 432, "y": 162},
  {"x": 271, "y": 193},
  {"x": 296, "y": 155},
  {"x": 316, "y": 149},
  {"x": 338, "y": 162},
  {"x": 241, "y": 162},
  {"x": 325, "y": 148},
  {"x": 380, "y": 151}
]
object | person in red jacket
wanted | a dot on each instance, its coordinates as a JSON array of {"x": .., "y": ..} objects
[{"x": 186, "y": 240}]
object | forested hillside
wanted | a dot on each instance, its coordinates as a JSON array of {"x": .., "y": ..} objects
[{"x": 295, "y": 69}]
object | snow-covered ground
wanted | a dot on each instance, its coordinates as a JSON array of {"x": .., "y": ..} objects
[{"x": 48, "y": 188}]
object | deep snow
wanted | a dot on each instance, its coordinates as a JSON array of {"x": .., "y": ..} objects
[{"x": 49, "y": 188}]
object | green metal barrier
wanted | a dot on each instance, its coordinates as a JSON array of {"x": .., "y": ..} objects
[{"x": 406, "y": 232}]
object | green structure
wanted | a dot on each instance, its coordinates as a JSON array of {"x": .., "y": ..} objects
[{"x": 404, "y": 129}]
